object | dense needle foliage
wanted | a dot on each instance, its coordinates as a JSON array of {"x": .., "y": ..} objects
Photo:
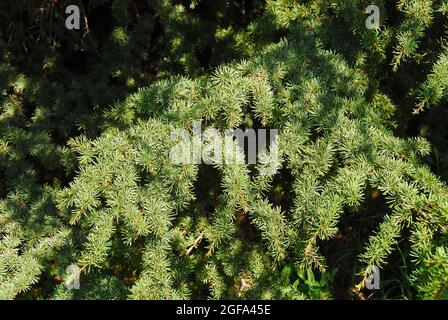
[{"x": 86, "y": 118}]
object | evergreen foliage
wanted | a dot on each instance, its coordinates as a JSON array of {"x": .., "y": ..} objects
[{"x": 85, "y": 136}]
